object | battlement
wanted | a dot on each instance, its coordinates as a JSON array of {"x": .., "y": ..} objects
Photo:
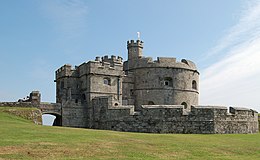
[
  {"x": 113, "y": 63},
  {"x": 100, "y": 66},
  {"x": 164, "y": 62},
  {"x": 133, "y": 43},
  {"x": 104, "y": 65},
  {"x": 213, "y": 111},
  {"x": 66, "y": 67},
  {"x": 112, "y": 60},
  {"x": 65, "y": 71},
  {"x": 173, "y": 118},
  {"x": 221, "y": 110}
]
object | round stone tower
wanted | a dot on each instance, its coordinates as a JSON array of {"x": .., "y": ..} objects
[{"x": 162, "y": 82}]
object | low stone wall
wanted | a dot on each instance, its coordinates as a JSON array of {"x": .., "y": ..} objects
[
  {"x": 18, "y": 104},
  {"x": 45, "y": 107},
  {"x": 32, "y": 111},
  {"x": 162, "y": 119},
  {"x": 173, "y": 119},
  {"x": 239, "y": 120},
  {"x": 151, "y": 118}
]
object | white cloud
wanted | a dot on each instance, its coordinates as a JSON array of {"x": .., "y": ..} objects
[
  {"x": 68, "y": 16},
  {"x": 235, "y": 80},
  {"x": 246, "y": 29}
]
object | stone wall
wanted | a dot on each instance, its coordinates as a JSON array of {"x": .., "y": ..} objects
[
  {"x": 50, "y": 108},
  {"x": 74, "y": 115},
  {"x": 239, "y": 120},
  {"x": 150, "y": 86},
  {"x": 173, "y": 118},
  {"x": 36, "y": 110},
  {"x": 18, "y": 104}
]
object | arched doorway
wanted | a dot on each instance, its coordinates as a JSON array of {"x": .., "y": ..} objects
[{"x": 50, "y": 119}]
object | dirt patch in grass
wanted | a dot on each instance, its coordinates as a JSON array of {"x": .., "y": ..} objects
[{"x": 49, "y": 150}]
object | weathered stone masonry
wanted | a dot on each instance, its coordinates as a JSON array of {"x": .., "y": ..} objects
[
  {"x": 138, "y": 95},
  {"x": 173, "y": 118},
  {"x": 143, "y": 95}
]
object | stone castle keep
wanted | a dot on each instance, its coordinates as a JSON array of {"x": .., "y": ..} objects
[
  {"x": 142, "y": 95},
  {"x": 138, "y": 95}
]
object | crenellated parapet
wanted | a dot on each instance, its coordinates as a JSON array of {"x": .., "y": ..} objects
[
  {"x": 102, "y": 65},
  {"x": 106, "y": 66},
  {"x": 66, "y": 71},
  {"x": 221, "y": 111},
  {"x": 164, "y": 62},
  {"x": 173, "y": 118},
  {"x": 112, "y": 60},
  {"x": 137, "y": 43}
]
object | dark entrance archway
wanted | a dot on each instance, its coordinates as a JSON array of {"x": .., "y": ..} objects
[{"x": 49, "y": 116}]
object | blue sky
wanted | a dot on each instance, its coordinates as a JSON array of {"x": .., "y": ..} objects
[{"x": 222, "y": 37}]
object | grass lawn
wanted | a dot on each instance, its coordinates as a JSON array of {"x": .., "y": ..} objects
[{"x": 21, "y": 139}]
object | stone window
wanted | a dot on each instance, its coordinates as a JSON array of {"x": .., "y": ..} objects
[
  {"x": 107, "y": 81},
  {"x": 83, "y": 96},
  {"x": 131, "y": 92},
  {"x": 184, "y": 104},
  {"x": 194, "y": 84},
  {"x": 167, "y": 81},
  {"x": 76, "y": 100}
]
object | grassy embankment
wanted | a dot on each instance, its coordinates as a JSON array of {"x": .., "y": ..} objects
[{"x": 21, "y": 139}]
